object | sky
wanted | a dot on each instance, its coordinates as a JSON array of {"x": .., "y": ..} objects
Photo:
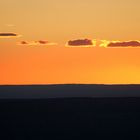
[{"x": 68, "y": 41}]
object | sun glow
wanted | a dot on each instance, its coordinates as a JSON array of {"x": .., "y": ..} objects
[{"x": 104, "y": 43}]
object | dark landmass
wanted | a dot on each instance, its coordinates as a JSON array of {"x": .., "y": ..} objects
[
  {"x": 73, "y": 90},
  {"x": 88, "y": 117}
]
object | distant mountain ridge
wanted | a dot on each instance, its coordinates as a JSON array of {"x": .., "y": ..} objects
[{"x": 68, "y": 90}]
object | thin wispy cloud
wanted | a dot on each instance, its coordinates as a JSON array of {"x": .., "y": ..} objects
[{"x": 10, "y": 25}]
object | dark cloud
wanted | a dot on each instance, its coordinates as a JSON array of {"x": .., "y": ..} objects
[
  {"x": 8, "y": 35},
  {"x": 80, "y": 42},
  {"x": 124, "y": 44},
  {"x": 43, "y": 42},
  {"x": 24, "y": 43},
  {"x": 35, "y": 43}
]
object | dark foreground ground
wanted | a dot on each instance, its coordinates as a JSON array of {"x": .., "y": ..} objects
[
  {"x": 70, "y": 118},
  {"x": 70, "y": 112}
]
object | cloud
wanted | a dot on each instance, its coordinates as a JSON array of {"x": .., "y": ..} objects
[
  {"x": 35, "y": 43},
  {"x": 43, "y": 42},
  {"x": 10, "y": 25},
  {"x": 81, "y": 42},
  {"x": 124, "y": 44},
  {"x": 23, "y": 43},
  {"x": 9, "y": 35}
]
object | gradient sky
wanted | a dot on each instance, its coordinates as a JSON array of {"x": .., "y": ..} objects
[{"x": 61, "y": 21}]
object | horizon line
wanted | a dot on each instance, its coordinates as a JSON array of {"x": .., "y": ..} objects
[{"x": 68, "y": 84}]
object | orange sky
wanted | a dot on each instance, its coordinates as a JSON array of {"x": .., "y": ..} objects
[{"x": 61, "y": 21}]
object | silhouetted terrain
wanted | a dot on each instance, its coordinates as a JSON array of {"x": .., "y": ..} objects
[
  {"x": 59, "y": 91},
  {"x": 107, "y": 117}
]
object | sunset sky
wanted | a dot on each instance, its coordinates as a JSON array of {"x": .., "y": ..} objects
[{"x": 69, "y": 41}]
